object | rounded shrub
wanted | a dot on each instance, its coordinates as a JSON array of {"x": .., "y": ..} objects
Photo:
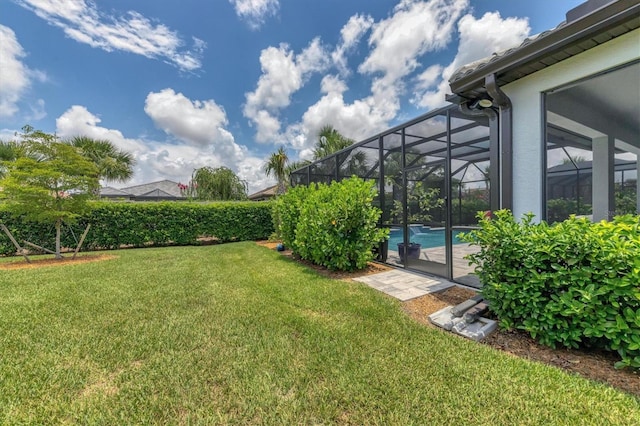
[
  {"x": 286, "y": 214},
  {"x": 331, "y": 225},
  {"x": 338, "y": 225},
  {"x": 574, "y": 283}
]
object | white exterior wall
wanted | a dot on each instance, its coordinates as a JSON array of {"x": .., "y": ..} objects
[{"x": 526, "y": 98}]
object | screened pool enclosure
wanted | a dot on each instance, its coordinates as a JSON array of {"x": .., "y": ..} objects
[
  {"x": 549, "y": 127},
  {"x": 433, "y": 175}
]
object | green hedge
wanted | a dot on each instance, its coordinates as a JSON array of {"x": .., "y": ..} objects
[
  {"x": 573, "y": 283},
  {"x": 114, "y": 225},
  {"x": 331, "y": 225}
]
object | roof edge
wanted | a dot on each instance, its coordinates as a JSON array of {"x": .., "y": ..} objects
[{"x": 601, "y": 19}]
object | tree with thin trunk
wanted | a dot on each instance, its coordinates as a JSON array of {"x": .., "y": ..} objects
[
  {"x": 51, "y": 183},
  {"x": 215, "y": 184},
  {"x": 276, "y": 166}
]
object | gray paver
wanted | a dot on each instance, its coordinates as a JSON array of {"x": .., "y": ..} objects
[
  {"x": 404, "y": 285},
  {"x": 432, "y": 288}
]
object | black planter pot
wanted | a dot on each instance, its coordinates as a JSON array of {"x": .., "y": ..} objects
[{"x": 413, "y": 251}]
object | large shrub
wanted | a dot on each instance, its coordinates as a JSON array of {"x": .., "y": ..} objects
[
  {"x": 331, "y": 225},
  {"x": 286, "y": 214},
  {"x": 574, "y": 283},
  {"x": 114, "y": 225}
]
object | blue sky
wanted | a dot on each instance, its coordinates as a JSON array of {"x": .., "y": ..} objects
[{"x": 184, "y": 84}]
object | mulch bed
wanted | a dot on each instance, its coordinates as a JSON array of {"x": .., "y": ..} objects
[
  {"x": 594, "y": 365},
  {"x": 38, "y": 263}
]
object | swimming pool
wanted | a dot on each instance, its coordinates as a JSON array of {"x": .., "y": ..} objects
[{"x": 429, "y": 238}]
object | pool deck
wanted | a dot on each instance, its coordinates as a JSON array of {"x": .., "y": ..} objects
[{"x": 461, "y": 265}]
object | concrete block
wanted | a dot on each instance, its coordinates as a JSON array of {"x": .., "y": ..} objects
[
  {"x": 477, "y": 330},
  {"x": 460, "y": 309},
  {"x": 444, "y": 319},
  {"x": 476, "y": 312}
]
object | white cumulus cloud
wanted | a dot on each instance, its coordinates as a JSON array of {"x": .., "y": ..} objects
[
  {"x": 397, "y": 46},
  {"x": 415, "y": 28},
  {"x": 78, "y": 121},
  {"x": 356, "y": 120},
  {"x": 254, "y": 12},
  {"x": 479, "y": 38},
  {"x": 350, "y": 36},
  {"x": 132, "y": 32},
  {"x": 15, "y": 77},
  {"x": 199, "y": 123},
  {"x": 173, "y": 159},
  {"x": 283, "y": 74}
]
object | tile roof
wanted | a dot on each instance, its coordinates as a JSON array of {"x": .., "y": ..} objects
[
  {"x": 269, "y": 192},
  {"x": 595, "y": 23},
  {"x": 165, "y": 189},
  {"x": 108, "y": 191},
  {"x": 168, "y": 187},
  {"x": 481, "y": 63},
  {"x": 156, "y": 193}
]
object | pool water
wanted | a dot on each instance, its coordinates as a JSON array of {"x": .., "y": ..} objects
[{"x": 429, "y": 238}]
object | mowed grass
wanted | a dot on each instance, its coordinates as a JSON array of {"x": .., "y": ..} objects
[{"x": 237, "y": 334}]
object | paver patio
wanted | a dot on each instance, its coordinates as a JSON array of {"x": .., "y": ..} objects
[{"x": 405, "y": 285}]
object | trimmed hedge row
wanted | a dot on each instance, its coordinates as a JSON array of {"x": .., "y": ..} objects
[
  {"x": 573, "y": 283},
  {"x": 114, "y": 225}
]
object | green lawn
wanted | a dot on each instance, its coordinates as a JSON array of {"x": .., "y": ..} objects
[{"x": 237, "y": 334}]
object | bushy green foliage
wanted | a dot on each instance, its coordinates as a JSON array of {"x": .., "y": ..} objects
[
  {"x": 465, "y": 211},
  {"x": 574, "y": 283},
  {"x": 215, "y": 184},
  {"x": 286, "y": 214},
  {"x": 331, "y": 225},
  {"x": 626, "y": 200},
  {"x": 559, "y": 209},
  {"x": 51, "y": 183},
  {"x": 151, "y": 224}
]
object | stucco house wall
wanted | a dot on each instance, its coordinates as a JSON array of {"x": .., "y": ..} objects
[{"x": 526, "y": 95}]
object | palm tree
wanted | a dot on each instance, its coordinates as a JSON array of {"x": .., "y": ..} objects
[
  {"x": 329, "y": 142},
  {"x": 295, "y": 165},
  {"x": 9, "y": 151},
  {"x": 356, "y": 164},
  {"x": 276, "y": 166},
  {"x": 114, "y": 165}
]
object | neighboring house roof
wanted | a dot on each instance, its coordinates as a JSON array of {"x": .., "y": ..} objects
[
  {"x": 166, "y": 186},
  {"x": 264, "y": 194},
  {"x": 161, "y": 190},
  {"x": 592, "y": 23},
  {"x": 156, "y": 193},
  {"x": 110, "y": 192}
]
